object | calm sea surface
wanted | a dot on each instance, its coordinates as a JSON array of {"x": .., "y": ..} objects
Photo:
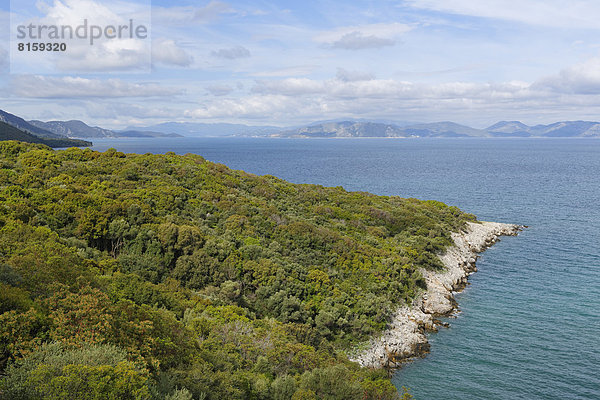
[{"x": 530, "y": 321}]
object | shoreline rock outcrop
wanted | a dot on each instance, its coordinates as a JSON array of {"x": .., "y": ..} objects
[{"x": 406, "y": 337}]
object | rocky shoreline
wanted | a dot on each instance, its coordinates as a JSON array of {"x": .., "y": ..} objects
[{"x": 406, "y": 336}]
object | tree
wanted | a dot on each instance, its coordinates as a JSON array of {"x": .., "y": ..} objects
[{"x": 91, "y": 372}]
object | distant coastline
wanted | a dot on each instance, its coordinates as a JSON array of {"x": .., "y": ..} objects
[{"x": 340, "y": 128}]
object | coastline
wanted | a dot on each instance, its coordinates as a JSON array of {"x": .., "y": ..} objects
[{"x": 406, "y": 336}]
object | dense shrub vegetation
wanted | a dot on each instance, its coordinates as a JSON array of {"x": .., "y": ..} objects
[{"x": 166, "y": 276}]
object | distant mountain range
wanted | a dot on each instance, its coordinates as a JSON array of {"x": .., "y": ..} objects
[
  {"x": 79, "y": 129},
  {"x": 557, "y": 129},
  {"x": 376, "y": 129},
  {"x": 72, "y": 129},
  {"x": 340, "y": 128},
  {"x": 443, "y": 129}
]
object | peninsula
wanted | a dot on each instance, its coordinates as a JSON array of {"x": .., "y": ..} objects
[{"x": 167, "y": 276}]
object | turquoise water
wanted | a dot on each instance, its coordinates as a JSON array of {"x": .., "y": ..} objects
[{"x": 530, "y": 321}]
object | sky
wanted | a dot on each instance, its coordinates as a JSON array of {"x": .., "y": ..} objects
[{"x": 294, "y": 62}]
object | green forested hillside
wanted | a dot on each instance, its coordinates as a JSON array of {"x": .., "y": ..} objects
[
  {"x": 163, "y": 276},
  {"x": 9, "y": 132}
]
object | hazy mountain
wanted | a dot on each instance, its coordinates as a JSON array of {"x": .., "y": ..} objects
[
  {"x": 509, "y": 128},
  {"x": 145, "y": 134},
  {"x": 79, "y": 129},
  {"x": 204, "y": 129},
  {"x": 374, "y": 129},
  {"x": 344, "y": 129},
  {"x": 73, "y": 128},
  {"x": 23, "y": 125},
  {"x": 378, "y": 121},
  {"x": 557, "y": 129},
  {"x": 9, "y": 132},
  {"x": 355, "y": 128},
  {"x": 322, "y": 129},
  {"x": 568, "y": 129},
  {"x": 443, "y": 129}
]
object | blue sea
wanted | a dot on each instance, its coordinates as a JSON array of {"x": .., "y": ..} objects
[{"x": 529, "y": 326}]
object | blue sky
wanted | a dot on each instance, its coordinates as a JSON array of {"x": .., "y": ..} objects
[{"x": 288, "y": 63}]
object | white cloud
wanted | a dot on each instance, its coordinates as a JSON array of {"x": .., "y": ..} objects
[
  {"x": 553, "y": 13},
  {"x": 312, "y": 99},
  {"x": 232, "y": 53},
  {"x": 114, "y": 110},
  {"x": 290, "y": 87},
  {"x": 219, "y": 90},
  {"x": 387, "y": 89},
  {"x": 4, "y": 26},
  {"x": 298, "y": 70},
  {"x": 352, "y": 76},
  {"x": 582, "y": 78},
  {"x": 274, "y": 106},
  {"x": 166, "y": 51},
  {"x": 358, "y": 94},
  {"x": 301, "y": 100},
  {"x": 294, "y": 62},
  {"x": 3, "y": 57},
  {"x": 201, "y": 15},
  {"x": 363, "y": 36},
  {"x": 358, "y": 41},
  {"x": 36, "y": 86},
  {"x": 98, "y": 54},
  {"x": 383, "y": 30},
  {"x": 128, "y": 54}
]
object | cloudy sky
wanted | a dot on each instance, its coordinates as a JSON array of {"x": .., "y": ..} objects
[{"x": 294, "y": 62}]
